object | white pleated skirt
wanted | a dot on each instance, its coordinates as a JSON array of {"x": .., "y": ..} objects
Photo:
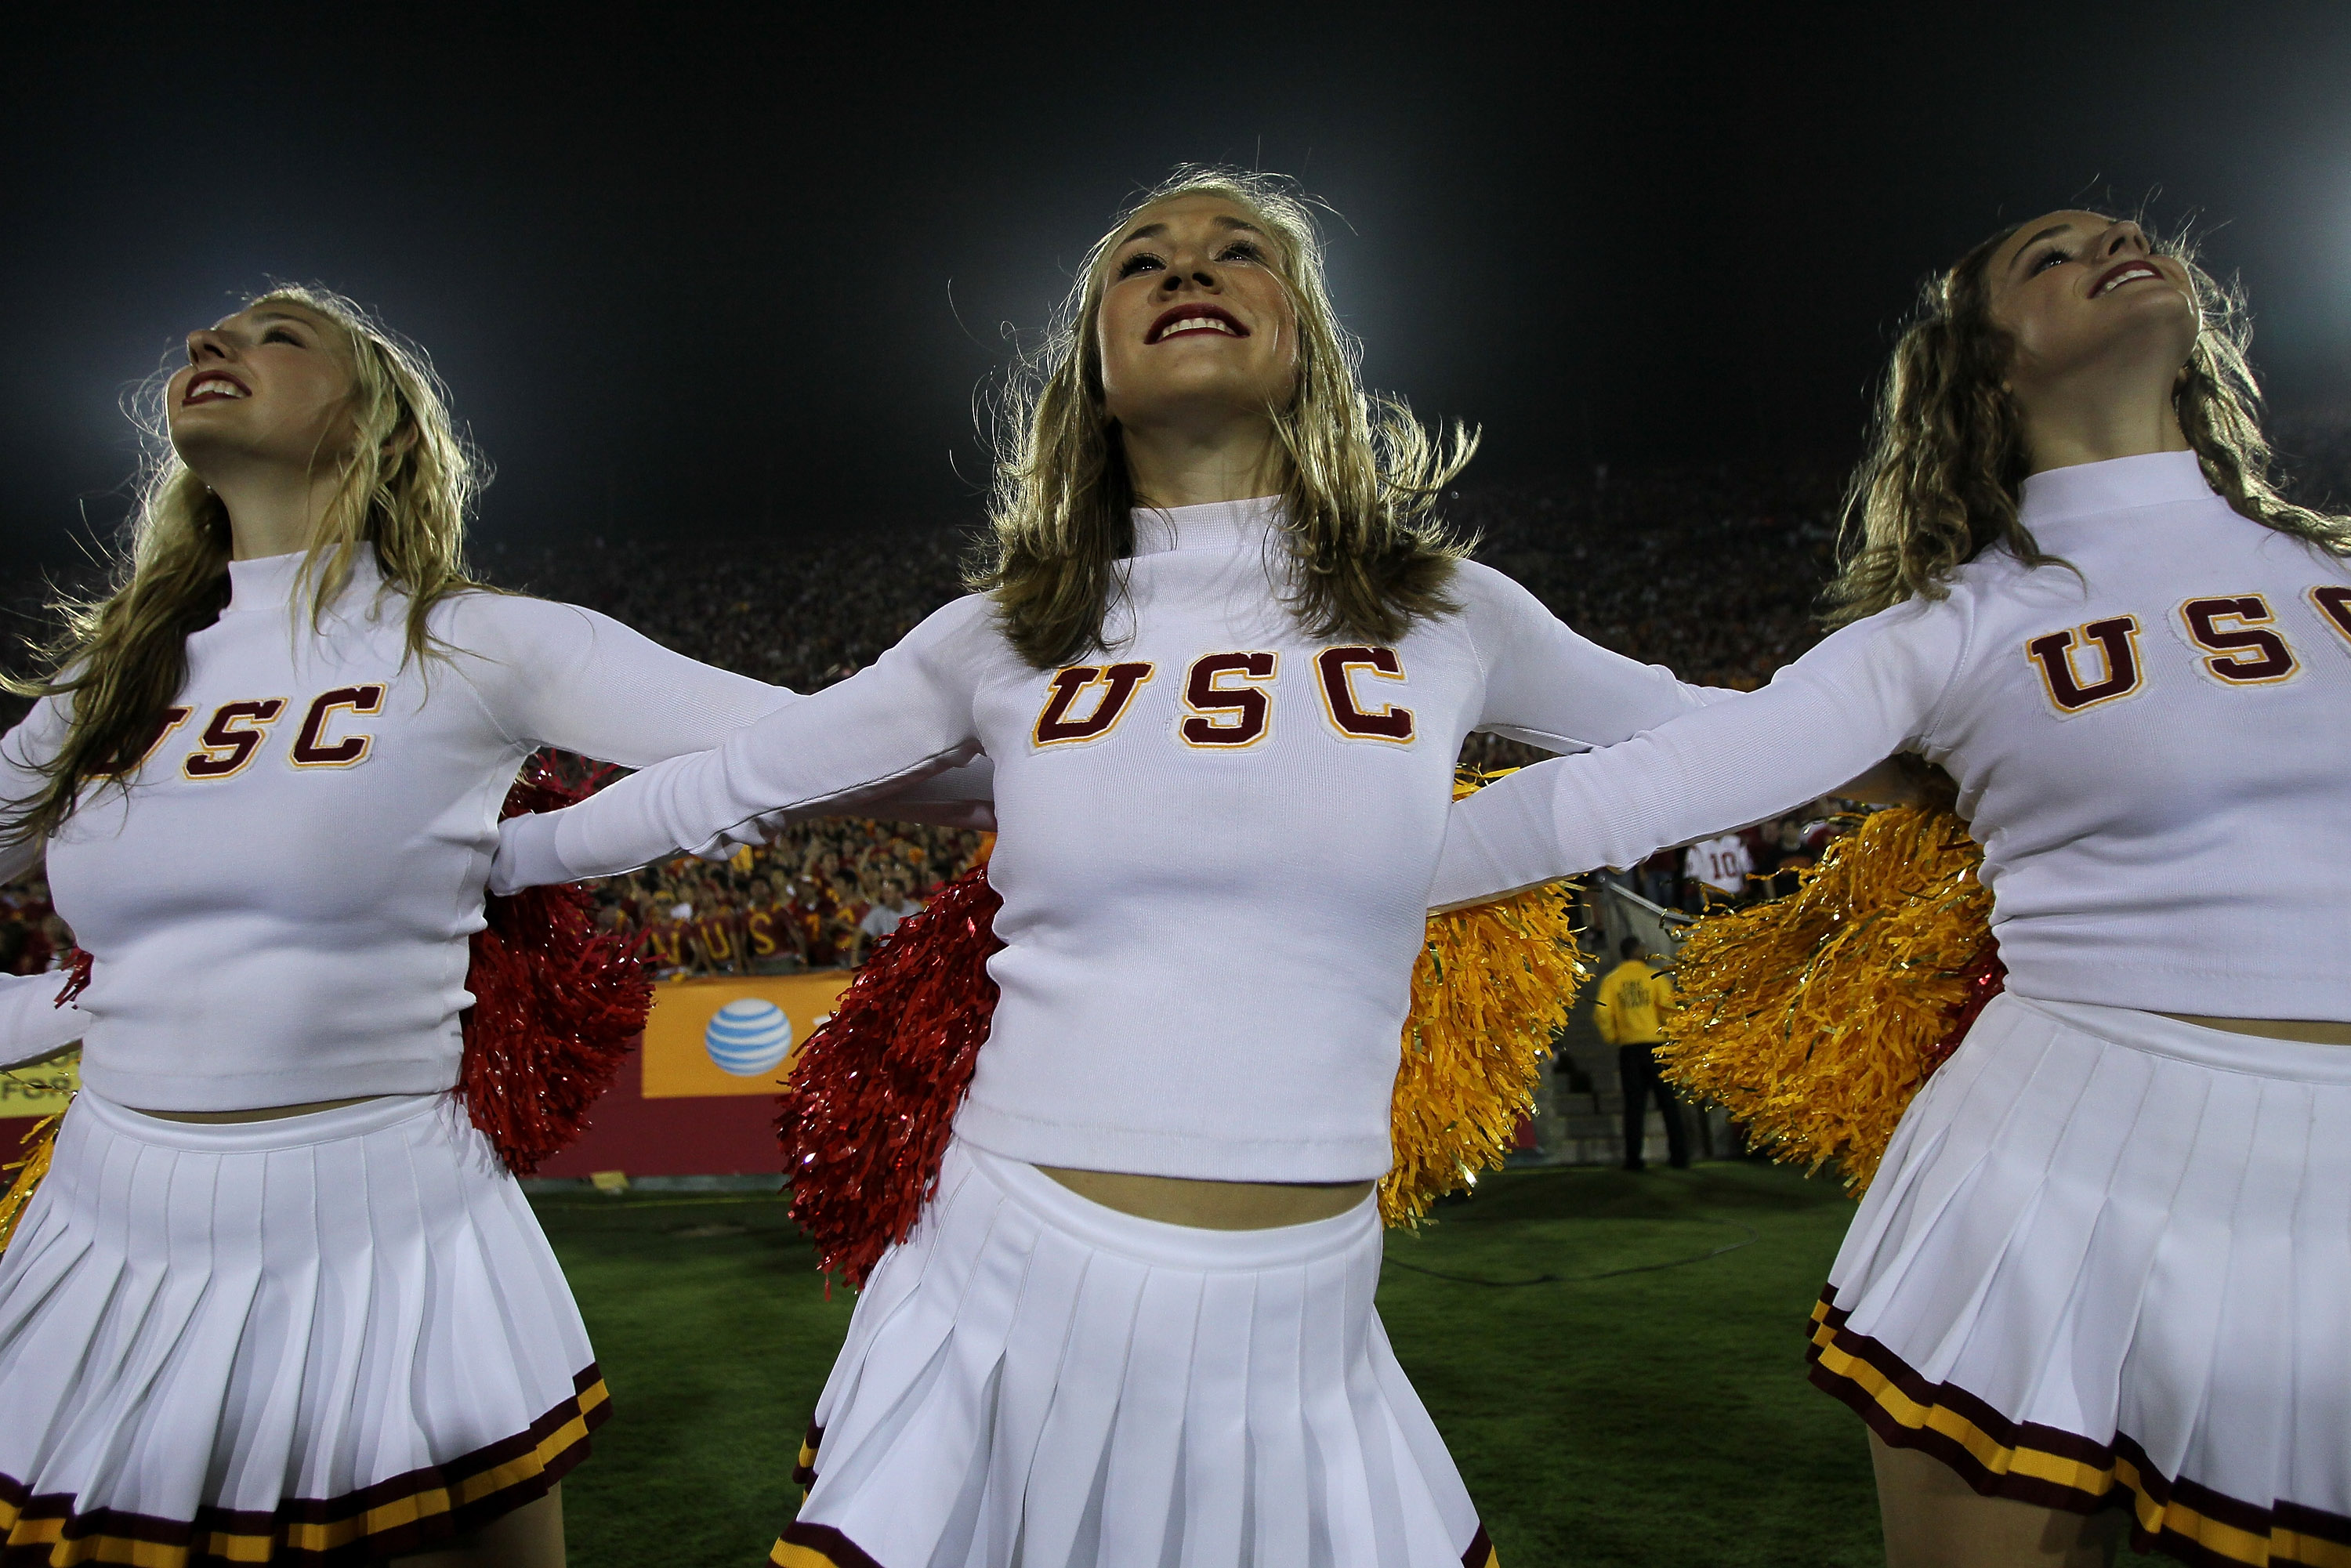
[
  {"x": 1035, "y": 1381},
  {"x": 325, "y": 1339},
  {"x": 2107, "y": 1263}
]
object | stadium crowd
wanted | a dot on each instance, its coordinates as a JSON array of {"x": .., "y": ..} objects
[{"x": 818, "y": 897}]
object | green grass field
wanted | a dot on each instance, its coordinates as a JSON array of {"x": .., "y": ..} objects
[{"x": 1643, "y": 1407}]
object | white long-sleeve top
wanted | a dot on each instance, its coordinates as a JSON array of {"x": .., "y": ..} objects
[
  {"x": 278, "y": 903},
  {"x": 2154, "y": 754},
  {"x": 1214, "y": 839}
]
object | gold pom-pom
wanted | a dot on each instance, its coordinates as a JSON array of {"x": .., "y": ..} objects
[
  {"x": 1493, "y": 986},
  {"x": 1814, "y": 1018},
  {"x": 29, "y": 1170}
]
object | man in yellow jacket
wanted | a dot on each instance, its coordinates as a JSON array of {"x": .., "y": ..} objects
[{"x": 1632, "y": 1003}]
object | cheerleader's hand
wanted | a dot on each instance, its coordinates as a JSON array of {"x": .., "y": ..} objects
[
  {"x": 961, "y": 797},
  {"x": 526, "y": 856},
  {"x": 1905, "y": 779},
  {"x": 1502, "y": 839},
  {"x": 757, "y": 834}
]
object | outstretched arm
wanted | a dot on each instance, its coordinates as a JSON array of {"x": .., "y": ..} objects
[
  {"x": 559, "y": 674},
  {"x": 904, "y": 718},
  {"x": 1864, "y": 694},
  {"x": 24, "y": 752},
  {"x": 1551, "y": 687}
]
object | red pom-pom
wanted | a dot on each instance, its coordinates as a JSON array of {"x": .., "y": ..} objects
[
  {"x": 77, "y": 963},
  {"x": 865, "y": 1116},
  {"x": 558, "y": 1004},
  {"x": 1986, "y": 977}
]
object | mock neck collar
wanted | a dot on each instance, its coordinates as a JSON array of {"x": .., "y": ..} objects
[
  {"x": 2060, "y": 497},
  {"x": 1213, "y": 524},
  {"x": 266, "y": 582}
]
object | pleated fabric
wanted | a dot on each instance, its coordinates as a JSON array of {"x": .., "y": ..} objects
[
  {"x": 321, "y": 1339},
  {"x": 2107, "y": 1262},
  {"x": 1035, "y": 1381}
]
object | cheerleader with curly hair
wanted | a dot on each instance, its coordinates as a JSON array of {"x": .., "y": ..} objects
[{"x": 2099, "y": 1277}]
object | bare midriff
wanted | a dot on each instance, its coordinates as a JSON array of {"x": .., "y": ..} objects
[
  {"x": 259, "y": 1114},
  {"x": 2310, "y": 1031},
  {"x": 1213, "y": 1205}
]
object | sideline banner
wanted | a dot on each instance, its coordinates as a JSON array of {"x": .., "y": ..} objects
[
  {"x": 732, "y": 1036},
  {"x": 40, "y": 1091}
]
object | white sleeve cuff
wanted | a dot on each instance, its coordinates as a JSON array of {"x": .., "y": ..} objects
[
  {"x": 526, "y": 856},
  {"x": 1501, "y": 841}
]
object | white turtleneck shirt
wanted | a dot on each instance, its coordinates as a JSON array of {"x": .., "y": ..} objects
[
  {"x": 2152, "y": 745},
  {"x": 1214, "y": 839},
  {"x": 278, "y": 902}
]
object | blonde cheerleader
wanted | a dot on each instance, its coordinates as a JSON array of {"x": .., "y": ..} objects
[
  {"x": 1223, "y": 664},
  {"x": 2099, "y": 1277},
  {"x": 277, "y": 1299}
]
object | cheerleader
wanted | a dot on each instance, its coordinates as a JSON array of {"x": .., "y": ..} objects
[
  {"x": 1224, "y": 664},
  {"x": 277, "y": 1300},
  {"x": 2099, "y": 1278}
]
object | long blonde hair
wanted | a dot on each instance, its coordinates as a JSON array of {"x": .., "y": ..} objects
[
  {"x": 1362, "y": 474},
  {"x": 404, "y": 488},
  {"x": 1947, "y": 463}
]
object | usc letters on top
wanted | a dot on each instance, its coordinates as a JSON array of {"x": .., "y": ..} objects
[
  {"x": 238, "y": 731},
  {"x": 1227, "y": 698},
  {"x": 2237, "y": 633},
  {"x": 2149, "y": 736},
  {"x": 252, "y": 947}
]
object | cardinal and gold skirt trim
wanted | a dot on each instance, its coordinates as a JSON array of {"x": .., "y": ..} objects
[
  {"x": 2105, "y": 1266},
  {"x": 405, "y": 1513},
  {"x": 821, "y": 1546},
  {"x": 2053, "y": 1469},
  {"x": 325, "y": 1339}
]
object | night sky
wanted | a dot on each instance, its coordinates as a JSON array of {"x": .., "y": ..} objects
[{"x": 744, "y": 270}]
